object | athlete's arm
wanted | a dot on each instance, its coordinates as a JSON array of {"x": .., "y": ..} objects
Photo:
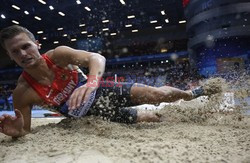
[
  {"x": 19, "y": 125},
  {"x": 64, "y": 55}
]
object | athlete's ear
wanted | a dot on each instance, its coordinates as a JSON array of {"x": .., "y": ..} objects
[
  {"x": 38, "y": 44},
  {"x": 11, "y": 58}
]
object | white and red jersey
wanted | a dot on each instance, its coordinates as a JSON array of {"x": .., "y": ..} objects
[{"x": 64, "y": 83}]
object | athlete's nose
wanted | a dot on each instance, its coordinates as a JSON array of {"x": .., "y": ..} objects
[{"x": 23, "y": 53}]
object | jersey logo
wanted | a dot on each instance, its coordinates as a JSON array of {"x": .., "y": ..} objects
[{"x": 50, "y": 92}]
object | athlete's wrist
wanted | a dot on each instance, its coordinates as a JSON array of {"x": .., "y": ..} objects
[{"x": 93, "y": 80}]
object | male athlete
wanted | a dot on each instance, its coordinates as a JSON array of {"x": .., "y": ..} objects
[{"x": 54, "y": 80}]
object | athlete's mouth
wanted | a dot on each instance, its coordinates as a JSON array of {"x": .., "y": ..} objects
[{"x": 27, "y": 60}]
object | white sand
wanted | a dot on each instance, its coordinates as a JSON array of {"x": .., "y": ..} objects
[{"x": 94, "y": 140}]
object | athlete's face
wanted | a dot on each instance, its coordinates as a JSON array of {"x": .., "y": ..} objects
[{"x": 23, "y": 50}]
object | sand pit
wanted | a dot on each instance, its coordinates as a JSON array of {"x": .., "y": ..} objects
[
  {"x": 100, "y": 141},
  {"x": 190, "y": 132},
  {"x": 216, "y": 138}
]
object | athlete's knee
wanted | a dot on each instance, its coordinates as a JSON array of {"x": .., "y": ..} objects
[
  {"x": 162, "y": 92},
  {"x": 146, "y": 116}
]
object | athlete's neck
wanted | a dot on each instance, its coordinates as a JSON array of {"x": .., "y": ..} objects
[{"x": 41, "y": 72}]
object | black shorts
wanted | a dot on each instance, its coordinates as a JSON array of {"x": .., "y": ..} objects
[{"x": 113, "y": 102}]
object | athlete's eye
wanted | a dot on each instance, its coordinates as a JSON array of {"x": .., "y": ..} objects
[
  {"x": 14, "y": 52},
  {"x": 26, "y": 46}
]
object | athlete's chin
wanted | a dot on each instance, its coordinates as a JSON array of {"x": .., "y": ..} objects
[{"x": 29, "y": 65}]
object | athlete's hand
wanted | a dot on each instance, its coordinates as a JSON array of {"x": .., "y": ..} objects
[
  {"x": 80, "y": 95},
  {"x": 12, "y": 125}
]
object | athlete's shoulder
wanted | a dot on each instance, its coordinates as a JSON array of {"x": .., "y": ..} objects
[
  {"x": 49, "y": 53},
  {"x": 61, "y": 55},
  {"x": 54, "y": 57},
  {"x": 60, "y": 50}
]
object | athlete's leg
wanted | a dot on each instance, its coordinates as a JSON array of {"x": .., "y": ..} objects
[
  {"x": 139, "y": 94},
  {"x": 143, "y": 94},
  {"x": 117, "y": 100}
]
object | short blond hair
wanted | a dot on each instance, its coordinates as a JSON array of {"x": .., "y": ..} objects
[{"x": 12, "y": 31}]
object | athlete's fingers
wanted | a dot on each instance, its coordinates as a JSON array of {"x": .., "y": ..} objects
[
  {"x": 76, "y": 99},
  {"x": 72, "y": 99},
  {"x": 80, "y": 96},
  {"x": 12, "y": 118},
  {"x": 87, "y": 94},
  {"x": 7, "y": 116},
  {"x": 1, "y": 125},
  {"x": 1, "y": 118},
  {"x": 69, "y": 101},
  {"x": 18, "y": 113}
]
